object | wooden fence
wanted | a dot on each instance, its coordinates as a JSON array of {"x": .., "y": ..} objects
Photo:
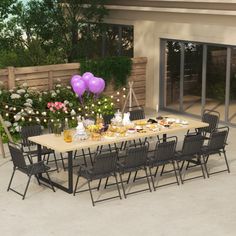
[{"x": 45, "y": 77}]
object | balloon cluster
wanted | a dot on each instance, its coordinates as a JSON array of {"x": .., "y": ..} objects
[{"x": 87, "y": 82}]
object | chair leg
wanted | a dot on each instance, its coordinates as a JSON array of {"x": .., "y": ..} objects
[
  {"x": 55, "y": 159},
  {"x": 117, "y": 185},
  {"x": 49, "y": 179},
  {"x": 83, "y": 153},
  {"x": 181, "y": 168},
  {"x": 26, "y": 188},
  {"x": 149, "y": 186},
  {"x": 176, "y": 176},
  {"x": 99, "y": 184},
  {"x": 187, "y": 166},
  {"x": 162, "y": 170},
  {"x": 37, "y": 179},
  {"x": 180, "y": 175},
  {"x": 152, "y": 179},
  {"x": 135, "y": 175},
  {"x": 203, "y": 173},
  {"x": 14, "y": 170},
  {"x": 226, "y": 161},
  {"x": 76, "y": 185},
  {"x": 75, "y": 153},
  {"x": 155, "y": 175},
  {"x": 128, "y": 177},
  {"x": 106, "y": 183},
  {"x": 90, "y": 191},
  {"x": 205, "y": 165},
  {"x": 122, "y": 185}
]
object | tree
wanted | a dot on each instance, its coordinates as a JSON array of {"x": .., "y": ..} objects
[{"x": 63, "y": 23}]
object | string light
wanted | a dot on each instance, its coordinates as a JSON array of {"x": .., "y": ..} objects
[
  {"x": 112, "y": 104},
  {"x": 105, "y": 100},
  {"x": 124, "y": 89},
  {"x": 37, "y": 112},
  {"x": 22, "y": 118},
  {"x": 111, "y": 96},
  {"x": 124, "y": 96},
  {"x": 14, "y": 108},
  {"x": 105, "y": 107},
  {"x": 52, "y": 120},
  {"x": 7, "y": 114},
  {"x": 118, "y": 100},
  {"x": 45, "y": 120},
  {"x": 118, "y": 93},
  {"x": 6, "y": 106},
  {"x": 99, "y": 103},
  {"x": 86, "y": 107},
  {"x": 30, "y": 119},
  {"x": 92, "y": 105}
]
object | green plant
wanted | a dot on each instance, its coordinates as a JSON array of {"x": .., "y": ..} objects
[
  {"x": 22, "y": 106},
  {"x": 116, "y": 69}
]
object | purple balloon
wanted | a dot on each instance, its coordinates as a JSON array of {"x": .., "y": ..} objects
[
  {"x": 79, "y": 87},
  {"x": 101, "y": 84},
  {"x": 75, "y": 79},
  {"x": 86, "y": 77},
  {"x": 95, "y": 85}
]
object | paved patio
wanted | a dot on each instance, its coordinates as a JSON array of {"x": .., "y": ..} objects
[{"x": 199, "y": 207}]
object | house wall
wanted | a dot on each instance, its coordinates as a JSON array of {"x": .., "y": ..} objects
[{"x": 192, "y": 24}]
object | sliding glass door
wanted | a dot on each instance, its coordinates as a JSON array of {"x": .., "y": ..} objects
[{"x": 198, "y": 76}]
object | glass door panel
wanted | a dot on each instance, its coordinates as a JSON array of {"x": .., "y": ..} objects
[
  {"x": 192, "y": 93},
  {"x": 232, "y": 101},
  {"x": 172, "y": 75},
  {"x": 216, "y": 79}
]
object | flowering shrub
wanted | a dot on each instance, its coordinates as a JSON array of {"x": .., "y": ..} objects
[
  {"x": 58, "y": 110},
  {"x": 22, "y": 106}
]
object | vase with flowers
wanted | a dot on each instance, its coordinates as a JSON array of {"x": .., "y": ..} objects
[{"x": 57, "y": 112}]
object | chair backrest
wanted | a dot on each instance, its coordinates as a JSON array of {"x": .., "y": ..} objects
[
  {"x": 165, "y": 150},
  {"x": 136, "y": 156},
  {"x": 212, "y": 118},
  {"x": 107, "y": 119},
  {"x": 29, "y": 131},
  {"x": 192, "y": 145},
  {"x": 105, "y": 162},
  {"x": 137, "y": 114},
  {"x": 218, "y": 139},
  {"x": 17, "y": 156}
]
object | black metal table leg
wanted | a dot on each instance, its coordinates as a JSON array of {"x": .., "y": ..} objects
[
  {"x": 70, "y": 172},
  {"x": 68, "y": 189}
]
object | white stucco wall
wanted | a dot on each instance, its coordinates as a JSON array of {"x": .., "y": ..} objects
[{"x": 150, "y": 27}]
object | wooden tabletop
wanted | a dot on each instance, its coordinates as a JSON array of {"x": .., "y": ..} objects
[{"x": 58, "y": 144}]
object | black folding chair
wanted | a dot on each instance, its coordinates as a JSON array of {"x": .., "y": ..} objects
[
  {"x": 134, "y": 160},
  {"x": 105, "y": 165},
  {"x": 212, "y": 118},
  {"x": 107, "y": 118},
  {"x": 216, "y": 145},
  {"x": 163, "y": 154},
  {"x": 190, "y": 153},
  {"x": 29, "y": 148},
  {"x": 19, "y": 164},
  {"x": 136, "y": 113}
]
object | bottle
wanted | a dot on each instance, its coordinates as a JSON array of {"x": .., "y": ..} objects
[{"x": 67, "y": 132}]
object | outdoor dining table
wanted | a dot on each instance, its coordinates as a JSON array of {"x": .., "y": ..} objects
[{"x": 58, "y": 144}]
